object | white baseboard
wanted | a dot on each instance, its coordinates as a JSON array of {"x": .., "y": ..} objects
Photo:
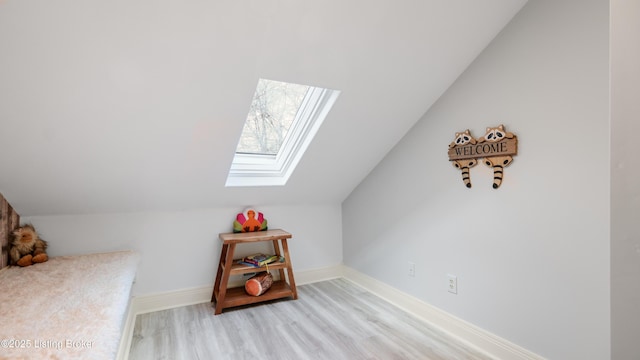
[
  {"x": 156, "y": 302},
  {"x": 476, "y": 337},
  {"x": 127, "y": 334},
  {"x": 322, "y": 274},
  {"x": 468, "y": 333}
]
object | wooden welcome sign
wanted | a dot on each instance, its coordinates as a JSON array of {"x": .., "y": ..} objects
[{"x": 496, "y": 147}]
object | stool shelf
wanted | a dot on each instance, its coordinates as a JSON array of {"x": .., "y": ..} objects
[{"x": 225, "y": 297}]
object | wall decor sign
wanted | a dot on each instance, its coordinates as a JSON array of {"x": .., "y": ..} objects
[{"x": 496, "y": 149}]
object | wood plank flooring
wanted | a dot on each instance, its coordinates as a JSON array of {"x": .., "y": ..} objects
[{"x": 331, "y": 320}]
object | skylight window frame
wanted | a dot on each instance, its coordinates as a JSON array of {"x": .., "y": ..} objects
[{"x": 250, "y": 169}]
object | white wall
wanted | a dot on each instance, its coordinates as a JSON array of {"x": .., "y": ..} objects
[
  {"x": 180, "y": 250},
  {"x": 625, "y": 177},
  {"x": 532, "y": 258}
]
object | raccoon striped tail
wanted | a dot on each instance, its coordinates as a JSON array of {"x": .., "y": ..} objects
[
  {"x": 465, "y": 165},
  {"x": 498, "y": 163},
  {"x": 497, "y": 175}
]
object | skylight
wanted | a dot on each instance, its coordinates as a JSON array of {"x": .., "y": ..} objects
[{"x": 283, "y": 119}]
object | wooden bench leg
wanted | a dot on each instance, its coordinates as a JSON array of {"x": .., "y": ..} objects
[
  {"x": 216, "y": 286},
  {"x": 287, "y": 259},
  {"x": 225, "y": 279},
  {"x": 276, "y": 248}
]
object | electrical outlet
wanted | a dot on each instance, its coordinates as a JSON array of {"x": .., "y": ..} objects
[
  {"x": 412, "y": 269},
  {"x": 453, "y": 284}
]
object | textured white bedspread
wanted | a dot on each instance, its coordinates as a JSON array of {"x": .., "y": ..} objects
[{"x": 70, "y": 307}]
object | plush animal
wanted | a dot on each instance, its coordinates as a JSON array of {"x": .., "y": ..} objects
[
  {"x": 249, "y": 220},
  {"x": 26, "y": 247}
]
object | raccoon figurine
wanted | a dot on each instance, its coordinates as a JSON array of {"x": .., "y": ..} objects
[
  {"x": 498, "y": 163},
  {"x": 464, "y": 138}
]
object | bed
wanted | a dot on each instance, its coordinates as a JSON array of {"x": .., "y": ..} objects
[{"x": 70, "y": 307}]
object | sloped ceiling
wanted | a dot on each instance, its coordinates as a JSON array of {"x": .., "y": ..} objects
[{"x": 137, "y": 105}]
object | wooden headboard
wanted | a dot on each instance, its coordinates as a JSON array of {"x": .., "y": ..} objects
[{"x": 9, "y": 221}]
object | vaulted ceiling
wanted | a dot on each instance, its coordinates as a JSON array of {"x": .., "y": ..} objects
[{"x": 137, "y": 105}]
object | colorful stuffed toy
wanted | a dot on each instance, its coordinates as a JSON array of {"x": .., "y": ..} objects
[{"x": 249, "y": 220}]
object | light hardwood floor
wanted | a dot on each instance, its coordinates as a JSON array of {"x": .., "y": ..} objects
[{"x": 331, "y": 320}]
